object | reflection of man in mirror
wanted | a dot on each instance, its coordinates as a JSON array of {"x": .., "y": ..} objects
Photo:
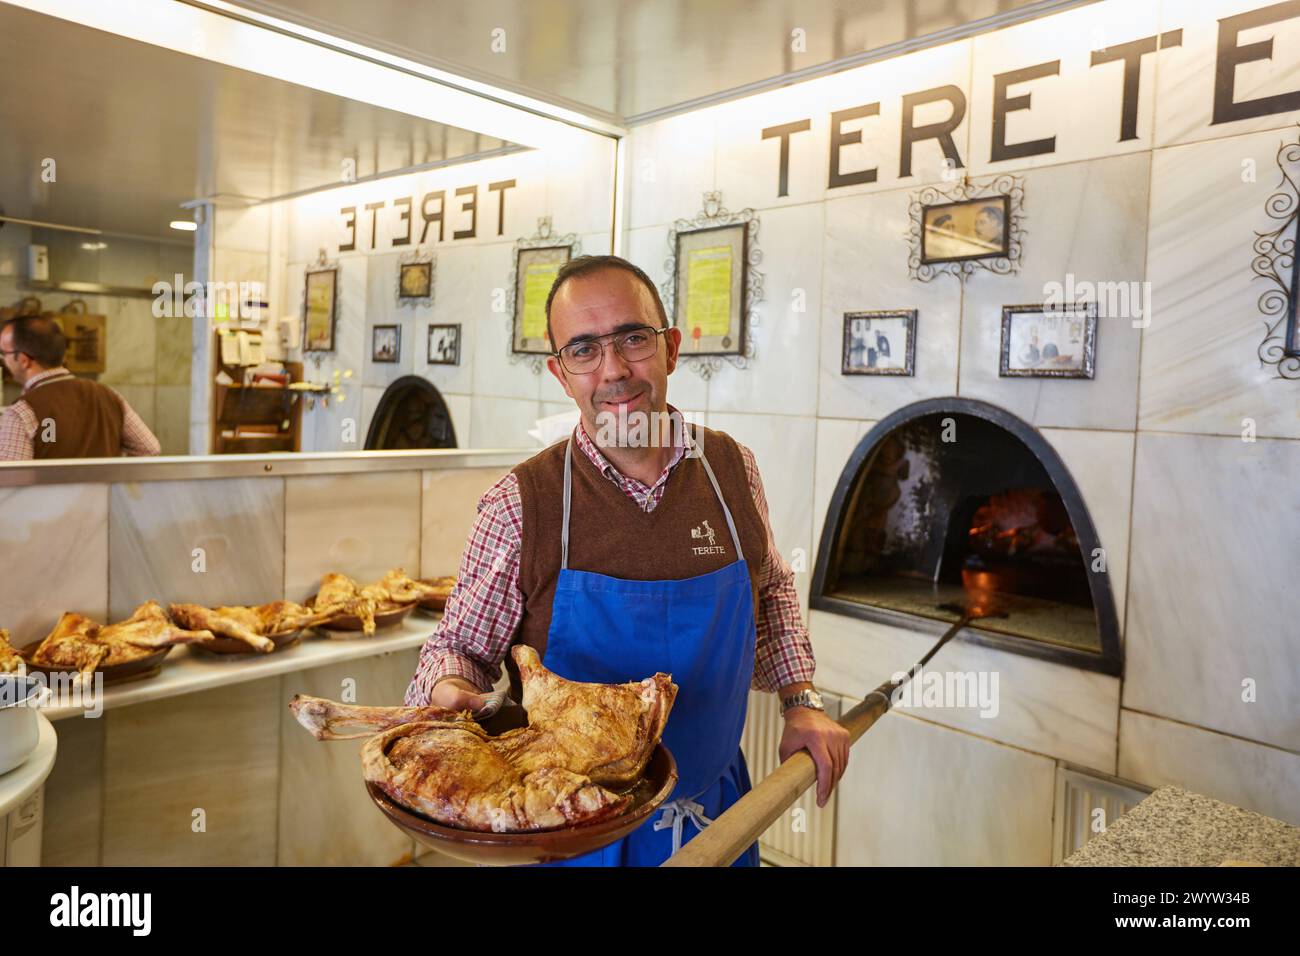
[
  {"x": 988, "y": 225},
  {"x": 59, "y": 415}
]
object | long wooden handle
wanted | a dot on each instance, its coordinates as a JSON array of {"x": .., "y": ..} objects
[{"x": 723, "y": 841}]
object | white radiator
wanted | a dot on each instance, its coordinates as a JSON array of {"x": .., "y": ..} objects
[
  {"x": 1087, "y": 803},
  {"x": 803, "y": 835}
]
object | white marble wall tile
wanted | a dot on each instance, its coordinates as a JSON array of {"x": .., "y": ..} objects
[
  {"x": 865, "y": 270},
  {"x": 1212, "y": 601},
  {"x": 1084, "y": 222},
  {"x": 379, "y": 528},
  {"x": 1048, "y": 708},
  {"x": 502, "y": 422},
  {"x": 915, "y": 794},
  {"x": 382, "y": 309},
  {"x": 143, "y": 401},
  {"x": 54, "y": 555},
  {"x": 784, "y": 448},
  {"x": 1101, "y": 464},
  {"x": 648, "y": 249},
  {"x": 1081, "y": 106},
  {"x": 154, "y": 528},
  {"x": 1185, "y": 78},
  {"x": 579, "y": 188},
  {"x": 1201, "y": 370},
  {"x": 782, "y": 378},
  {"x": 174, "y": 349},
  {"x": 457, "y": 301},
  {"x": 837, "y": 439},
  {"x": 346, "y": 829},
  {"x": 217, "y": 752},
  {"x": 370, "y": 397},
  {"x": 459, "y": 407},
  {"x": 494, "y": 372},
  {"x": 449, "y": 501},
  {"x": 670, "y": 166},
  {"x": 171, "y": 423},
  {"x": 1162, "y": 753},
  {"x": 130, "y": 342},
  {"x": 246, "y": 228},
  {"x": 74, "y": 796}
]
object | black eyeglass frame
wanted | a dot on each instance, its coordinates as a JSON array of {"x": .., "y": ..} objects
[{"x": 614, "y": 336}]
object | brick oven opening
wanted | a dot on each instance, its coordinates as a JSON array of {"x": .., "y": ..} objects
[
  {"x": 950, "y": 497},
  {"x": 411, "y": 414}
]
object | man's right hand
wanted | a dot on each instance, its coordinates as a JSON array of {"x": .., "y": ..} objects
[{"x": 456, "y": 693}]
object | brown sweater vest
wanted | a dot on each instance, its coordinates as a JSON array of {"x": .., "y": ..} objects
[
  {"x": 609, "y": 534},
  {"x": 87, "y": 419}
]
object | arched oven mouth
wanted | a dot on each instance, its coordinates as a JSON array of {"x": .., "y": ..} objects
[
  {"x": 951, "y": 503},
  {"x": 411, "y": 414}
]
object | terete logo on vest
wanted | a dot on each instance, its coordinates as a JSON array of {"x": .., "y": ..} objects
[{"x": 705, "y": 533}]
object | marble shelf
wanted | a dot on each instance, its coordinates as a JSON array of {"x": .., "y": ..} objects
[{"x": 187, "y": 671}]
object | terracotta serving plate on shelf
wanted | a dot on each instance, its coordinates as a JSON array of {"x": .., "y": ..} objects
[
  {"x": 536, "y": 846},
  {"x": 139, "y": 669},
  {"x": 228, "y": 645},
  {"x": 350, "y": 623},
  {"x": 438, "y": 603}
]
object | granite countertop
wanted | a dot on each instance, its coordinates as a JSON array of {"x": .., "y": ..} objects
[{"x": 1174, "y": 827}]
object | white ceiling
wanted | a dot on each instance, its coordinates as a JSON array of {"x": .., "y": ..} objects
[
  {"x": 135, "y": 130},
  {"x": 623, "y": 59}
]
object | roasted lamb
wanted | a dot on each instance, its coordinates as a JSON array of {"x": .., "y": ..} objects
[{"x": 582, "y": 742}]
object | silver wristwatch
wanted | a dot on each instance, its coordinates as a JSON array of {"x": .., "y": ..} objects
[{"x": 805, "y": 698}]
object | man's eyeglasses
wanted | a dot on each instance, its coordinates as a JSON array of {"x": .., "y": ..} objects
[{"x": 634, "y": 345}]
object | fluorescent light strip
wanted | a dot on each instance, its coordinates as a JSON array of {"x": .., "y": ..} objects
[
  {"x": 479, "y": 88},
  {"x": 403, "y": 86}
]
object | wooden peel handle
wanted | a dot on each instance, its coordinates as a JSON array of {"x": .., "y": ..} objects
[{"x": 723, "y": 841}]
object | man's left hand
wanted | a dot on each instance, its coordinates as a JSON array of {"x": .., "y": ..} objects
[{"x": 824, "y": 739}]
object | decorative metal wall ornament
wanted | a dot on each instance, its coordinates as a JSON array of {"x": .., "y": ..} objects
[
  {"x": 1006, "y": 193},
  {"x": 714, "y": 215},
  {"x": 416, "y": 273},
  {"x": 544, "y": 238},
  {"x": 1275, "y": 260}
]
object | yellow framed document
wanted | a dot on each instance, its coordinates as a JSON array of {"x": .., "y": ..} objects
[
  {"x": 535, "y": 272},
  {"x": 320, "y": 310},
  {"x": 710, "y": 304}
]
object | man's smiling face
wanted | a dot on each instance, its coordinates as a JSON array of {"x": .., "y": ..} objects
[{"x": 598, "y": 303}]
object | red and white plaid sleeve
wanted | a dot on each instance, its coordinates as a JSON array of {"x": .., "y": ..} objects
[
  {"x": 485, "y": 607},
  {"x": 784, "y": 653},
  {"x": 137, "y": 439},
  {"x": 17, "y": 430}
]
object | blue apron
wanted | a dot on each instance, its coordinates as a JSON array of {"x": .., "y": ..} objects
[{"x": 701, "y": 631}]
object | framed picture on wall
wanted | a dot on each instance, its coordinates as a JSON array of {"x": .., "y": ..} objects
[
  {"x": 386, "y": 343},
  {"x": 444, "y": 345},
  {"x": 415, "y": 280},
  {"x": 879, "y": 343},
  {"x": 535, "y": 271},
  {"x": 1049, "y": 341},
  {"x": 967, "y": 229},
  {"x": 709, "y": 303},
  {"x": 320, "y": 309}
]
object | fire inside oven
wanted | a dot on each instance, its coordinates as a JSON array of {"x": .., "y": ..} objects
[{"x": 948, "y": 505}]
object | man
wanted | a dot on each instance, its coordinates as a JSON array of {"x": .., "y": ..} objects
[
  {"x": 58, "y": 415},
  {"x": 617, "y": 558}
]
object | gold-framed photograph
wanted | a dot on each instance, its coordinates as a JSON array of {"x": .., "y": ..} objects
[
  {"x": 967, "y": 229},
  {"x": 709, "y": 304},
  {"x": 320, "y": 310},
  {"x": 386, "y": 343},
  {"x": 1044, "y": 342},
  {"x": 415, "y": 280},
  {"x": 535, "y": 270}
]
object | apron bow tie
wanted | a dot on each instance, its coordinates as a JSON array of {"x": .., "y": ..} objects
[{"x": 676, "y": 813}]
